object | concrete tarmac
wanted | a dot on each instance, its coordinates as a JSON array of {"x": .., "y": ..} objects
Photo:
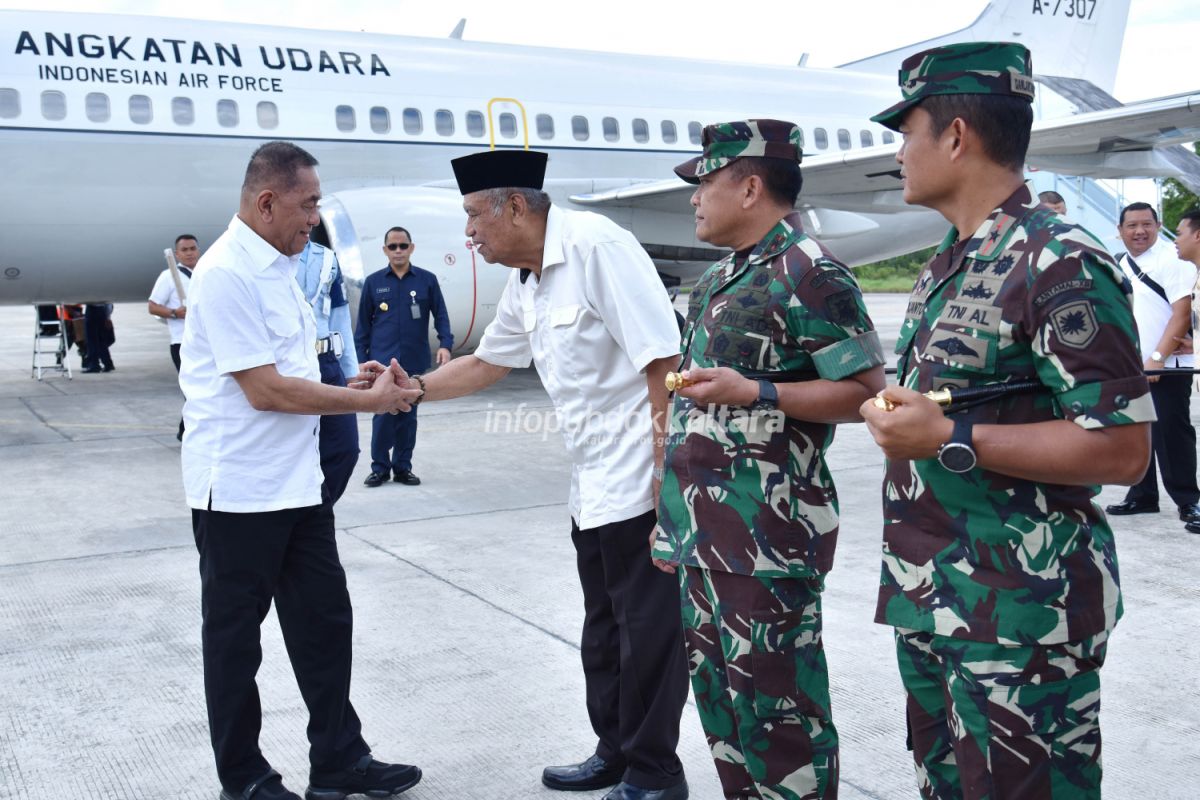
[{"x": 467, "y": 605}]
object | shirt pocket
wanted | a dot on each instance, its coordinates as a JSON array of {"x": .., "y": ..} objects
[{"x": 286, "y": 331}]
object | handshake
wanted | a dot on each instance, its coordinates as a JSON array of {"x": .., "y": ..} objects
[{"x": 390, "y": 388}]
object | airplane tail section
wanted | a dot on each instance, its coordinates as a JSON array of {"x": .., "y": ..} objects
[{"x": 1068, "y": 38}]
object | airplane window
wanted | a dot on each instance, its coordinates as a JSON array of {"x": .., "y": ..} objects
[
  {"x": 668, "y": 131},
  {"x": 508, "y": 125},
  {"x": 866, "y": 138},
  {"x": 443, "y": 122},
  {"x": 694, "y": 131},
  {"x": 182, "y": 111},
  {"x": 140, "y": 109},
  {"x": 381, "y": 119},
  {"x": 545, "y": 126},
  {"x": 412, "y": 121},
  {"x": 475, "y": 123},
  {"x": 344, "y": 117},
  {"x": 612, "y": 130},
  {"x": 888, "y": 138},
  {"x": 579, "y": 128},
  {"x": 268, "y": 114},
  {"x": 10, "y": 103},
  {"x": 54, "y": 105},
  {"x": 97, "y": 107},
  {"x": 227, "y": 113},
  {"x": 820, "y": 138},
  {"x": 843, "y": 139},
  {"x": 641, "y": 131}
]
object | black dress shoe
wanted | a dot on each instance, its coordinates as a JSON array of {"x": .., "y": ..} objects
[
  {"x": 627, "y": 791},
  {"x": 1192, "y": 527},
  {"x": 1132, "y": 507},
  {"x": 268, "y": 787},
  {"x": 370, "y": 777},
  {"x": 109, "y": 368},
  {"x": 406, "y": 477},
  {"x": 594, "y": 773},
  {"x": 376, "y": 479},
  {"x": 90, "y": 369},
  {"x": 1189, "y": 512}
]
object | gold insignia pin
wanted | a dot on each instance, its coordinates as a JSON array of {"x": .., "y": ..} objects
[{"x": 383, "y": 306}]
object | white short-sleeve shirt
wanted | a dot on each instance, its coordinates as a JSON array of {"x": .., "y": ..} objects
[
  {"x": 1176, "y": 277},
  {"x": 591, "y": 324},
  {"x": 245, "y": 310},
  {"x": 165, "y": 294}
]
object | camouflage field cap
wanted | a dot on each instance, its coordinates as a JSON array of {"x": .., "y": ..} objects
[
  {"x": 726, "y": 142},
  {"x": 965, "y": 68}
]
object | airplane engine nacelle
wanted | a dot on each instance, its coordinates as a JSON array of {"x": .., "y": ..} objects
[{"x": 356, "y": 221}]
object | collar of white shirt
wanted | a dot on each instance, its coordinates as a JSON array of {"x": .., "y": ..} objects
[{"x": 260, "y": 253}]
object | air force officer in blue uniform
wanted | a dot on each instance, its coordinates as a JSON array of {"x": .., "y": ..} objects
[{"x": 393, "y": 322}]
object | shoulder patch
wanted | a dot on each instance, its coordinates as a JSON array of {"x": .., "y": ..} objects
[
  {"x": 841, "y": 307},
  {"x": 1075, "y": 324}
]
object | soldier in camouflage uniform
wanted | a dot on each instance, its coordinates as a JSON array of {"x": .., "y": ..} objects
[
  {"x": 999, "y": 569},
  {"x": 748, "y": 509}
]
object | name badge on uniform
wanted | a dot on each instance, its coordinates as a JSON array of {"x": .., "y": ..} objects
[{"x": 414, "y": 309}]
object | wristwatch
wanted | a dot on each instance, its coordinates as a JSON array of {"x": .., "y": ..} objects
[
  {"x": 174, "y": 314},
  {"x": 1156, "y": 356},
  {"x": 768, "y": 397},
  {"x": 957, "y": 455}
]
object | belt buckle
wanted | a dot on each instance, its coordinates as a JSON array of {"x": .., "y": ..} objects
[{"x": 335, "y": 344}]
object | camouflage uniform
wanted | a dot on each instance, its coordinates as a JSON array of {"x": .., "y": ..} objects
[
  {"x": 1003, "y": 590},
  {"x": 748, "y": 507}
]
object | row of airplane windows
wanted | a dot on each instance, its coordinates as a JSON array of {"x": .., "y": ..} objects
[{"x": 183, "y": 112}]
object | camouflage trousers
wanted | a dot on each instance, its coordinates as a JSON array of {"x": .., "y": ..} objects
[
  {"x": 1002, "y": 722},
  {"x": 761, "y": 683}
]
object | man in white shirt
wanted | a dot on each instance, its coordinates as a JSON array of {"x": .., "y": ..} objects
[
  {"x": 586, "y": 306},
  {"x": 252, "y": 475},
  {"x": 168, "y": 304},
  {"x": 1162, "y": 308},
  {"x": 1187, "y": 247}
]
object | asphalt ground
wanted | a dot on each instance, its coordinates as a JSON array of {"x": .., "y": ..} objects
[{"x": 467, "y": 605}]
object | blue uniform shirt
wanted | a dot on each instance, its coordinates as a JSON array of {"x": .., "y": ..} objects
[
  {"x": 387, "y": 326},
  {"x": 327, "y": 296}
]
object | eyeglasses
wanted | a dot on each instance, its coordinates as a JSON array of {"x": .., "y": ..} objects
[{"x": 394, "y": 246}]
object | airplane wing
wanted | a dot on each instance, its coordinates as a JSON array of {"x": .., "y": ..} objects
[{"x": 1109, "y": 143}]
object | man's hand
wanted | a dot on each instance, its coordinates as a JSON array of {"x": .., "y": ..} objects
[
  {"x": 1152, "y": 364},
  {"x": 665, "y": 566},
  {"x": 367, "y": 372},
  {"x": 719, "y": 386},
  {"x": 915, "y": 427},
  {"x": 1185, "y": 346},
  {"x": 390, "y": 391},
  {"x": 442, "y": 356},
  {"x": 181, "y": 312}
]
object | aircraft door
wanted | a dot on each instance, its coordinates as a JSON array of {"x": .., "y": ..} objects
[{"x": 507, "y": 124}]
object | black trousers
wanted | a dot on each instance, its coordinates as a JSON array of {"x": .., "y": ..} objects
[
  {"x": 1174, "y": 444},
  {"x": 634, "y": 663},
  {"x": 176, "y": 362},
  {"x": 94, "y": 318},
  {"x": 246, "y": 561},
  {"x": 339, "y": 437}
]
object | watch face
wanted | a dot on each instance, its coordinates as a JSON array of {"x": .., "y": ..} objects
[{"x": 957, "y": 457}]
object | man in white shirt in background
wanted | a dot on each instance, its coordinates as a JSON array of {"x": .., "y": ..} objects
[
  {"x": 586, "y": 306},
  {"x": 1162, "y": 308},
  {"x": 166, "y": 302},
  {"x": 1187, "y": 246},
  {"x": 252, "y": 475}
]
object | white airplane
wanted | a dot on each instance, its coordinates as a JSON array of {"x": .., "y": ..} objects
[{"x": 120, "y": 132}]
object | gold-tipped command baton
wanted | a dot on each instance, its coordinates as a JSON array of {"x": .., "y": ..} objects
[
  {"x": 961, "y": 396},
  {"x": 675, "y": 380}
]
